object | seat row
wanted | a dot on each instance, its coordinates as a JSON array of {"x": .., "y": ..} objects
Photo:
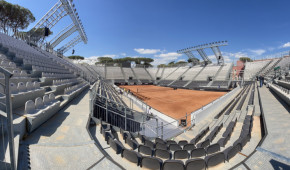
[{"x": 40, "y": 111}]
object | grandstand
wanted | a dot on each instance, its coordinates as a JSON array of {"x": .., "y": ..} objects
[{"x": 55, "y": 114}]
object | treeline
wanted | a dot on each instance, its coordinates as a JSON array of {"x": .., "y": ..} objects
[
  {"x": 76, "y": 57},
  {"x": 14, "y": 17},
  {"x": 139, "y": 61},
  {"x": 173, "y": 64}
]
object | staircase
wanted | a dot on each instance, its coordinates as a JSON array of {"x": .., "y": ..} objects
[
  {"x": 274, "y": 65},
  {"x": 261, "y": 69}
]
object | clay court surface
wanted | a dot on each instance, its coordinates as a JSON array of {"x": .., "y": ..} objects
[{"x": 174, "y": 103}]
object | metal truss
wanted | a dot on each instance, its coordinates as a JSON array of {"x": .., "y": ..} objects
[
  {"x": 200, "y": 49},
  {"x": 52, "y": 17},
  {"x": 218, "y": 54},
  {"x": 202, "y": 53},
  {"x": 71, "y": 44},
  {"x": 55, "y": 14},
  {"x": 191, "y": 56},
  {"x": 71, "y": 11},
  {"x": 62, "y": 35}
]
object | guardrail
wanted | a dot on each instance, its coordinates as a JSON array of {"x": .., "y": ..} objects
[{"x": 7, "y": 116}]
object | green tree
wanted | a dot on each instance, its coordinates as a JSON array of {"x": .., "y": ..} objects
[
  {"x": 161, "y": 65},
  {"x": 76, "y": 57},
  {"x": 104, "y": 60},
  {"x": 14, "y": 17},
  {"x": 34, "y": 34},
  {"x": 245, "y": 59}
]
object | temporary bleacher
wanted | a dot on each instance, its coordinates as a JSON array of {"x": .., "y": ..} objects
[
  {"x": 129, "y": 75},
  {"x": 42, "y": 83},
  {"x": 166, "y": 73},
  {"x": 143, "y": 75},
  {"x": 208, "y": 71},
  {"x": 252, "y": 68},
  {"x": 152, "y": 71},
  {"x": 115, "y": 73}
]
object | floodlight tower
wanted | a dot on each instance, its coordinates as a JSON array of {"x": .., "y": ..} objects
[
  {"x": 61, "y": 9},
  {"x": 200, "y": 49}
]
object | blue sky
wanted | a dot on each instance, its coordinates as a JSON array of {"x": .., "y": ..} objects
[{"x": 158, "y": 28}]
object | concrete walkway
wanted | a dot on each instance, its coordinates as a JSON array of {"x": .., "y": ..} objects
[
  {"x": 274, "y": 153},
  {"x": 63, "y": 141}
]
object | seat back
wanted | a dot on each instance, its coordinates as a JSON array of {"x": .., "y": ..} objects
[
  {"x": 173, "y": 165},
  {"x": 161, "y": 146},
  {"x": 151, "y": 163},
  {"x": 181, "y": 154},
  {"x": 131, "y": 156},
  {"x": 13, "y": 88},
  {"x": 174, "y": 147},
  {"x": 198, "y": 152},
  {"x": 145, "y": 150},
  {"x": 29, "y": 107},
  {"x": 21, "y": 87},
  {"x": 189, "y": 147},
  {"x": 182, "y": 143},
  {"x": 215, "y": 159},
  {"x": 165, "y": 154},
  {"x": 198, "y": 164},
  {"x": 213, "y": 148},
  {"x": 29, "y": 86},
  {"x": 36, "y": 85},
  {"x": 149, "y": 144},
  {"x": 38, "y": 103},
  {"x": 46, "y": 100}
]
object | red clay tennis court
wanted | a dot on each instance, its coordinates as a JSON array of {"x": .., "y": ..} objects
[{"x": 174, "y": 103}]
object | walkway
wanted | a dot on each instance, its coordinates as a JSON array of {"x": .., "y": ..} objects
[
  {"x": 63, "y": 141},
  {"x": 274, "y": 153}
]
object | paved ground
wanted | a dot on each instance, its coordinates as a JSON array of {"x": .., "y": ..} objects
[
  {"x": 64, "y": 143},
  {"x": 274, "y": 153}
]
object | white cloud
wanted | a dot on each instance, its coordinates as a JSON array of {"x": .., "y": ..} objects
[
  {"x": 286, "y": 45},
  {"x": 258, "y": 51},
  {"x": 123, "y": 54},
  {"x": 147, "y": 51},
  {"x": 165, "y": 58}
]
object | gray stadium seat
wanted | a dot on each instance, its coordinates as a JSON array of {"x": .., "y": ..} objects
[
  {"x": 198, "y": 152},
  {"x": 196, "y": 164},
  {"x": 204, "y": 143},
  {"x": 181, "y": 154},
  {"x": 215, "y": 159},
  {"x": 173, "y": 165},
  {"x": 174, "y": 147},
  {"x": 116, "y": 145},
  {"x": 182, "y": 143},
  {"x": 164, "y": 154},
  {"x": 158, "y": 140},
  {"x": 170, "y": 142},
  {"x": 189, "y": 147},
  {"x": 151, "y": 163},
  {"x": 213, "y": 148},
  {"x": 145, "y": 150},
  {"x": 133, "y": 144},
  {"x": 161, "y": 146},
  {"x": 149, "y": 144},
  {"x": 131, "y": 156}
]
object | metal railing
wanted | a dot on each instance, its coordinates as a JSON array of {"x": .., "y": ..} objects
[{"x": 6, "y": 123}]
